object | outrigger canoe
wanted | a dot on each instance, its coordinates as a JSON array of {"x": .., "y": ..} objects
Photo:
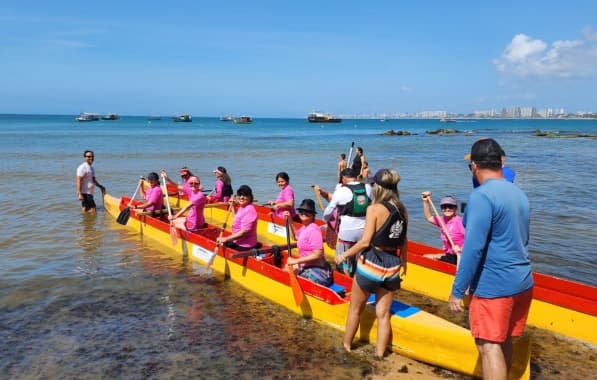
[
  {"x": 416, "y": 333},
  {"x": 563, "y": 306}
]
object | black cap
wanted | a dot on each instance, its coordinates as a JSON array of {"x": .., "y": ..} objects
[
  {"x": 244, "y": 190},
  {"x": 486, "y": 150},
  {"x": 307, "y": 205}
]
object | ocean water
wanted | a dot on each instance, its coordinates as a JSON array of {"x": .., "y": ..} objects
[{"x": 80, "y": 296}]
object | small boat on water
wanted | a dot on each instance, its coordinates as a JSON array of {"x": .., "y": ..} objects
[
  {"x": 319, "y": 117},
  {"x": 110, "y": 116},
  {"x": 184, "y": 118},
  {"x": 444, "y": 120},
  {"x": 87, "y": 116},
  {"x": 243, "y": 120},
  {"x": 416, "y": 333},
  {"x": 227, "y": 118},
  {"x": 559, "y": 305}
]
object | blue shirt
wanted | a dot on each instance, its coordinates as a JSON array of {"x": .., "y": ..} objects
[
  {"x": 495, "y": 259},
  {"x": 507, "y": 172}
]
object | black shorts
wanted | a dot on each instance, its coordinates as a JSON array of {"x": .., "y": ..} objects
[{"x": 88, "y": 203}]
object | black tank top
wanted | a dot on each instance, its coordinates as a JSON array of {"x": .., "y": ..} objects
[
  {"x": 357, "y": 164},
  {"x": 393, "y": 232}
]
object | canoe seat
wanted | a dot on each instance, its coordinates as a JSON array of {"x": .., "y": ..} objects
[{"x": 341, "y": 290}]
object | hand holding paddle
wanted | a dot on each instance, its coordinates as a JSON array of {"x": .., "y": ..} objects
[
  {"x": 297, "y": 292},
  {"x": 173, "y": 234},
  {"x": 124, "y": 215},
  {"x": 316, "y": 191}
]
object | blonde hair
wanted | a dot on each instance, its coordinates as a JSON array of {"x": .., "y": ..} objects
[{"x": 386, "y": 188}]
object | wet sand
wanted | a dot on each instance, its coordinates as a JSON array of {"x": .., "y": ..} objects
[{"x": 553, "y": 357}]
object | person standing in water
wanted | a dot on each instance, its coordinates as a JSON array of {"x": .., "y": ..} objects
[{"x": 86, "y": 183}]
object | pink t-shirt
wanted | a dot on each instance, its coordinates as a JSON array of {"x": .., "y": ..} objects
[
  {"x": 286, "y": 194},
  {"x": 155, "y": 196},
  {"x": 195, "y": 218},
  {"x": 218, "y": 189},
  {"x": 310, "y": 239},
  {"x": 246, "y": 220},
  {"x": 455, "y": 229}
]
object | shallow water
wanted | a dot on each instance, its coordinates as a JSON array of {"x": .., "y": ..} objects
[{"x": 81, "y": 297}]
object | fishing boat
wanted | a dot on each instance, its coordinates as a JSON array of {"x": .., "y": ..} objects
[
  {"x": 243, "y": 120},
  {"x": 87, "y": 116},
  {"x": 559, "y": 305},
  {"x": 184, "y": 118},
  {"x": 320, "y": 117},
  {"x": 416, "y": 333},
  {"x": 110, "y": 116}
]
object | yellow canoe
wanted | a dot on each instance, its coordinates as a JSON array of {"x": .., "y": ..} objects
[{"x": 416, "y": 333}]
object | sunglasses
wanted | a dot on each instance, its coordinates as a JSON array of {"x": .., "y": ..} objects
[
  {"x": 88, "y": 156},
  {"x": 194, "y": 183},
  {"x": 444, "y": 207}
]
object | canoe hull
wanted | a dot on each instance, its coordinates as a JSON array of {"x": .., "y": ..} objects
[
  {"x": 416, "y": 334},
  {"x": 562, "y": 306}
]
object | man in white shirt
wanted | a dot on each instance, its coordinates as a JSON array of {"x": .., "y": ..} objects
[
  {"x": 86, "y": 183},
  {"x": 350, "y": 202}
]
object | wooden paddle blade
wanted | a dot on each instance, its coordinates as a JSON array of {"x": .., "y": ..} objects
[
  {"x": 297, "y": 292},
  {"x": 123, "y": 217}
]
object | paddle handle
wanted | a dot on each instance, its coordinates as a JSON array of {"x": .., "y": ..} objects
[
  {"x": 441, "y": 223},
  {"x": 167, "y": 196},
  {"x": 318, "y": 197},
  {"x": 136, "y": 191}
]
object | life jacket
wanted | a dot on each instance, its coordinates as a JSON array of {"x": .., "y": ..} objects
[
  {"x": 227, "y": 191},
  {"x": 360, "y": 201}
]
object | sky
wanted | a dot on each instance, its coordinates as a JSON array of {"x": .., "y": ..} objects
[{"x": 288, "y": 58}]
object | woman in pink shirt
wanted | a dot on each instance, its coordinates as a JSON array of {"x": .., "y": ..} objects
[
  {"x": 185, "y": 175},
  {"x": 194, "y": 219},
  {"x": 223, "y": 186},
  {"x": 244, "y": 225},
  {"x": 311, "y": 261},
  {"x": 285, "y": 200},
  {"x": 154, "y": 198},
  {"x": 453, "y": 223}
]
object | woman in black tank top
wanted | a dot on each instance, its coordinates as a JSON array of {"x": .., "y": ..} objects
[{"x": 385, "y": 242}]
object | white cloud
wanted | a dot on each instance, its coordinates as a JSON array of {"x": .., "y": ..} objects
[
  {"x": 528, "y": 57},
  {"x": 405, "y": 89}
]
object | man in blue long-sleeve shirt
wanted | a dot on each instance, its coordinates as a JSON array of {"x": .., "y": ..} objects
[{"x": 495, "y": 265}]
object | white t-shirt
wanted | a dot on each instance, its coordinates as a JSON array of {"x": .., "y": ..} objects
[
  {"x": 351, "y": 227},
  {"x": 87, "y": 173}
]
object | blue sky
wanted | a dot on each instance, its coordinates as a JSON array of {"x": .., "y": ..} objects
[{"x": 282, "y": 58}]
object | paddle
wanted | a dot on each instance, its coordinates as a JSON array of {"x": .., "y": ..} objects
[
  {"x": 318, "y": 197},
  {"x": 255, "y": 252},
  {"x": 211, "y": 259},
  {"x": 173, "y": 236},
  {"x": 445, "y": 230},
  {"x": 125, "y": 214},
  {"x": 297, "y": 292},
  {"x": 348, "y": 163}
]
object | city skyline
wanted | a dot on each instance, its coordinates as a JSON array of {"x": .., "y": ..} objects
[{"x": 271, "y": 59}]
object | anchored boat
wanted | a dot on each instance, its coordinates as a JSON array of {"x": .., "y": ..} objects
[
  {"x": 416, "y": 334},
  {"x": 319, "y": 117}
]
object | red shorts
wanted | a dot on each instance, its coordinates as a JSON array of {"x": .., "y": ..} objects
[{"x": 496, "y": 319}]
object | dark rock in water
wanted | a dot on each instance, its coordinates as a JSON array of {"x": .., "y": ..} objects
[
  {"x": 444, "y": 131},
  {"x": 558, "y": 134},
  {"x": 396, "y": 133}
]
